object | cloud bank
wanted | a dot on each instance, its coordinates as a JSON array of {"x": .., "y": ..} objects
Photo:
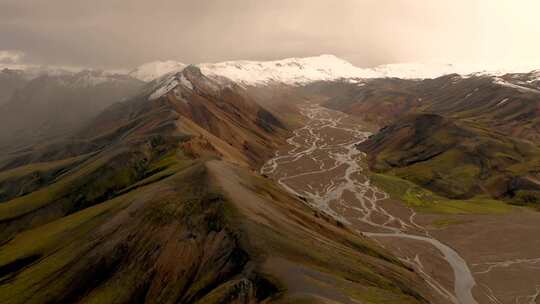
[{"x": 124, "y": 34}]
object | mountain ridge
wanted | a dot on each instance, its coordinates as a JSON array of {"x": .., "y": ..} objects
[
  {"x": 305, "y": 70},
  {"x": 298, "y": 70},
  {"x": 158, "y": 200}
]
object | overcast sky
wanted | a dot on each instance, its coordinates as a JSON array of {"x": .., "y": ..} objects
[{"x": 125, "y": 33}]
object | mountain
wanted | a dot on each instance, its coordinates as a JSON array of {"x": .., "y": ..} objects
[
  {"x": 145, "y": 187},
  {"x": 456, "y": 159},
  {"x": 323, "y": 68},
  {"x": 436, "y": 70},
  {"x": 49, "y": 106},
  {"x": 155, "y": 200},
  {"x": 10, "y": 81},
  {"x": 292, "y": 71},
  {"x": 504, "y": 103},
  {"x": 483, "y": 104},
  {"x": 461, "y": 137}
]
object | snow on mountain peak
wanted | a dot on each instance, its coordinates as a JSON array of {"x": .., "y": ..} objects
[
  {"x": 287, "y": 71},
  {"x": 434, "y": 70},
  {"x": 93, "y": 78},
  {"x": 153, "y": 70},
  {"x": 301, "y": 71},
  {"x": 422, "y": 71}
]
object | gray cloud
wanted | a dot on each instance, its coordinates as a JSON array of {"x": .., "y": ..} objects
[{"x": 125, "y": 33}]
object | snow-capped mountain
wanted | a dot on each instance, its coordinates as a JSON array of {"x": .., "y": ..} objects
[
  {"x": 93, "y": 78},
  {"x": 301, "y": 71},
  {"x": 426, "y": 71},
  {"x": 293, "y": 71},
  {"x": 434, "y": 70},
  {"x": 153, "y": 70},
  {"x": 76, "y": 77},
  {"x": 30, "y": 72}
]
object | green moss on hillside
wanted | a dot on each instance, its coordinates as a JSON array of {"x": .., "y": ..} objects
[
  {"x": 424, "y": 200},
  {"x": 462, "y": 162}
]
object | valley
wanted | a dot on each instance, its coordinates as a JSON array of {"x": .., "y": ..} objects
[
  {"x": 303, "y": 180},
  {"x": 158, "y": 200},
  {"x": 269, "y": 152},
  {"x": 322, "y": 165}
]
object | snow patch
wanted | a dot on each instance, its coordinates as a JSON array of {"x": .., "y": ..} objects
[
  {"x": 176, "y": 82},
  {"x": 535, "y": 76},
  {"x": 185, "y": 82},
  {"x": 504, "y": 83},
  {"x": 165, "y": 88},
  {"x": 502, "y": 102}
]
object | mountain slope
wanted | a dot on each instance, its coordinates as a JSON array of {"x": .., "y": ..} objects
[
  {"x": 459, "y": 137},
  {"x": 10, "y": 81},
  {"x": 155, "y": 200},
  {"x": 504, "y": 105},
  {"x": 455, "y": 159},
  {"x": 52, "y": 106},
  {"x": 183, "y": 239}
]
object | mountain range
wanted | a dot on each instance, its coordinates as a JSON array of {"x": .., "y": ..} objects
[
  {"x": 144, "y": 187},
  {"x": 458, "y": 136}
]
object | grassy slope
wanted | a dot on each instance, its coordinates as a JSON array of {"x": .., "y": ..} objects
[
  {"x": 424, "y": 200},
  {"x": 23, "y": 180},
  {"x": 496, "y": 154},
  {"x": 456, "y": 160},
  {"x": 312, "y": 255},
  {"x": 96, "y": 254},
  {"x": 178, "y": 236},
  {"x": 91, "y": 182},
  {"x": 142, "y": 218}
]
